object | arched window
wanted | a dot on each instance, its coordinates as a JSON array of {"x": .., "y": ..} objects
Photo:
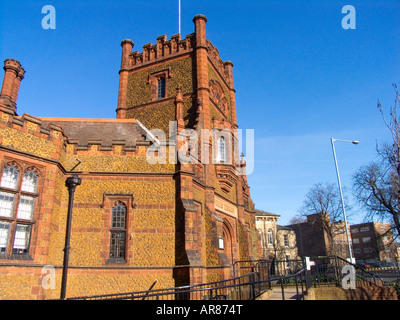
[
  {"x": 10, "y": 176},
  {"x": 118, "y": 231},
  {"x": 30, "y": 180},
  {"x": 221, "y": 149},
  {"x": 27, "y": 202}
]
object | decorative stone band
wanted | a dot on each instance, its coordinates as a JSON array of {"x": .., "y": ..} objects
[{"x": 225, "y": 207}]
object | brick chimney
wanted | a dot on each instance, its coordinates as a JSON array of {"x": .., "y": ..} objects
[
  {"x": 127, "y": 46},
  {"x": 13, "y": 75}
]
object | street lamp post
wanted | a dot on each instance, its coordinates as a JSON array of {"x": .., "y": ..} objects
[
  {"x": 341, "y": 194},
  {"x": 71, "y": 183}
]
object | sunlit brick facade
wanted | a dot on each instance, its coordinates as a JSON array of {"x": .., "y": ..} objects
[{"x": 136, "y": 219}]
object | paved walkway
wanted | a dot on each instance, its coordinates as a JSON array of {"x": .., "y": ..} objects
[{"x": 290, "y": 294}]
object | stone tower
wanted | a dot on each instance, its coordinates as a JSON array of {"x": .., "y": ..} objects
[{"x": 185, "y": 80}]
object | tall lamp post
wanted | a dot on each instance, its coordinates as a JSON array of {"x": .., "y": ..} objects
[
  {"x": 341, "y": 194},
  {"x": 71, "y": 183}
]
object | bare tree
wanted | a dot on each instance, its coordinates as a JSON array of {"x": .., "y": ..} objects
[
  {"x": 297, "y": 219},
  {"x": 376, "y": 185},
  {"x": 324, "y": 198},
  {"x": 323, "y": 207}
]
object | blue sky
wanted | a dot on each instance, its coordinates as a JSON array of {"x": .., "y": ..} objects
[{"x": 300, "y": 78}]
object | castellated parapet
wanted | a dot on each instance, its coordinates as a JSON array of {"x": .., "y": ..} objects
[
  {"x": 62, "y": 140},
  {"x": 165, "y": 49}
]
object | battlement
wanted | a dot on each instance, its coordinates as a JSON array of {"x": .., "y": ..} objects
[
  {"x": 49, "y": 137},
  {"x": 164, "y": 49},
  {"x": 12, "y": 64},
  {"x": 223, "y": 67},
  {"x": 32, "y": 125},
  {"x": 161, "y": 50},
  {"x": 111, "y": 135},
  {"x": 174, "y": 62},
  {"x": 28, "y": 134}
]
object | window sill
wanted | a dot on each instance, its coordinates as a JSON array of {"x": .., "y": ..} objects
[
  {"x": 15, "y": 256},
  {"x": 116, "y": 261}
]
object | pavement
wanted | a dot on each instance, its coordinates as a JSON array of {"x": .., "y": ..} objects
[{"x": 290, "y": 294}]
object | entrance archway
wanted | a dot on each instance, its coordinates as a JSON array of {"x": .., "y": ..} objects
[{"x": 227, "y": 236}]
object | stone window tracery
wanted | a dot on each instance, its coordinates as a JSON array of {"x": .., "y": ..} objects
[{"x": 17, "y": 207}]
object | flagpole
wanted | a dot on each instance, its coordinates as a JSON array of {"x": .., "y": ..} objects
[{"x": 179, "y": 16}]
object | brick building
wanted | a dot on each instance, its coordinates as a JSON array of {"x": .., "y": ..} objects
[
  {"x": 373, "y": 243},
  {"x": 319, "y": 236},
  {"x": 141, "y": 213}
]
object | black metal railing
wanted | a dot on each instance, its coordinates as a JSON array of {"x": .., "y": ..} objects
[
  {"x": 268, "y": 268},
  {"x": 248, "y": 286},
  {"x": 245, "y": 287},
  {"x": 296, "y": 280},
  {"x": 327, "y": 271},
  {"x": 253, "y": 278}
]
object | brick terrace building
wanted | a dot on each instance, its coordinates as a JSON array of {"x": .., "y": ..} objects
[{"x": 135, "y": 218}]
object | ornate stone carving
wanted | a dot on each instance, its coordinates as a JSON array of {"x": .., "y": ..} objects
[
  {"x": 217, "y": 96},
  {"x": 226, "y": 176}
]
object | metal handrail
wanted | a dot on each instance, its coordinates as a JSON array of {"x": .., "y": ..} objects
[
  {"x": 173, "y": 291},
  {"x": 374, "y": 276},
  {"x": 246, "y": 286},
  {"x": 295, "y": 275},
  {"x": 358, "y": 268}
]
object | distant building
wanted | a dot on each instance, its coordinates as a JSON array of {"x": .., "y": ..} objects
[
  {"x": 373, "y": 242},
  {"x": 277, "y": 242},
  {"x": 318, "y": 236}
]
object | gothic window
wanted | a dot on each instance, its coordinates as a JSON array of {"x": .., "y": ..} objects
[
  {"x": 10, "y": 176},
  {"x": 118, "y": 231},
  {"x": 17, "y": 206},
  {"x": 29, "y": 183},
  {"x": 221, "y": 150}
]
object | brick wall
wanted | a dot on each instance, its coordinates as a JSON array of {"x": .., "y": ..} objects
[
  {"x": 150, "y": 194},
  {"x": 360, "y": 293}
]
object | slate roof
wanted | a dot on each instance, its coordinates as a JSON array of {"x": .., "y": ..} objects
[
  {"x": 99, "y": 131},
  {"x": 265, "y": 213}
]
